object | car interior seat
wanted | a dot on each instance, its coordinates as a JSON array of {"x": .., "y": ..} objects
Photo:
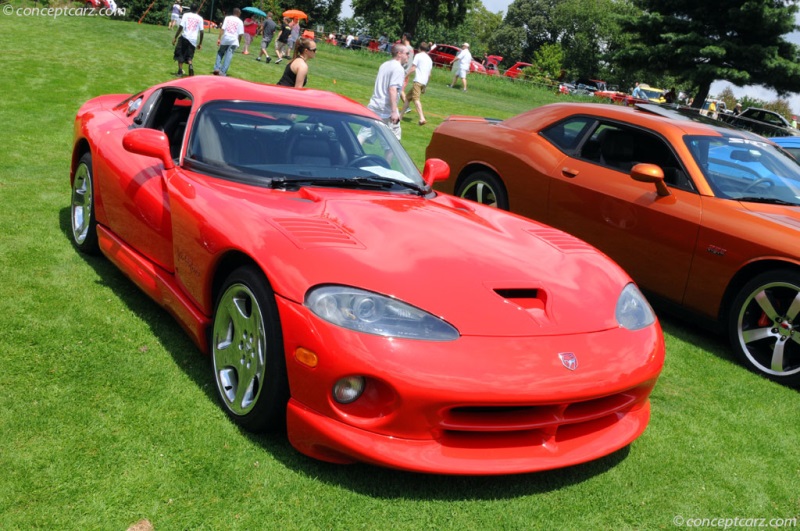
[
  {"x": 617, "y": 149},
  {"x": 314, "y": 144}
]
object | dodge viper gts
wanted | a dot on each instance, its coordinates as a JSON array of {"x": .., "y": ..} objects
[
  {"x": 704, "y": 217},
  {"x": 339, "y": 297}
]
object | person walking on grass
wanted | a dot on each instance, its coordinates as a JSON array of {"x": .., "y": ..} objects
[
  {"x": 282, "y": 42},
  {"x": 388, "y": 85},
  {"x": 464, "y": 59},
  {"x": 188, "y": 38},
  {"x": 421, "y": 68},
  {"x": 266, "y": 38},
  {"x": 230, "y": 37}
]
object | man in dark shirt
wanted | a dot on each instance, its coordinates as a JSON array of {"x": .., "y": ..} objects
[
  {"x": 267, "y": 34},
  {"x": 282, "y": 44}
]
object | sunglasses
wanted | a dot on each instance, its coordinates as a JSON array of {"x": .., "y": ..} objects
[{"x": 311, "y": 49}]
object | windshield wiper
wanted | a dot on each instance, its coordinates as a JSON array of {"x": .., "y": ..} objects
[
  {"x": 767, "y": 200},
  {"x": 374, "y": 183}
]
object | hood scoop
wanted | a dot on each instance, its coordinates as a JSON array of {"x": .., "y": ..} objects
[
  {"x": 315, "y": 232},
  {"x": 562, "y": 241},
  {"x": 525, "y": 298}
]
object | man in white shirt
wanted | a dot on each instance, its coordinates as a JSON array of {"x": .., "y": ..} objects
[
  {"x": 388, "y": 85},
  {"x": 230, "y": 37},
  {"x": 464, "y": 59},
  {"x": 190, "y": 32},
  {"x": 421, "y": 68}
]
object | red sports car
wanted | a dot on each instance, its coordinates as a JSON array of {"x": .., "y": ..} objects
[
  {"x": 292, "y": 237},
  {"x": 444, "y": 54},
  {"x": 705, "y": 218},
  {"x": 516, "y": 70}
]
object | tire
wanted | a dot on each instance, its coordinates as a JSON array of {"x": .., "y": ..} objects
[
  {"x": 764, "y": 325},
  {"x": 247, "y": 352},
  {"x": 484, "y": 187},
  {"x": 82, "y": 214}
]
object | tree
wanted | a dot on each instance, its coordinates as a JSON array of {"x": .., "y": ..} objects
[
  {"x": 528, "y": 25},
  {"x": 394, "y": 17},
  {"x": 741, "y": 41}
]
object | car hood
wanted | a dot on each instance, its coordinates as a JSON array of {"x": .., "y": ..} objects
[
  {"x": 783, "y": 215},
  {"x": 484, "y": 271}
]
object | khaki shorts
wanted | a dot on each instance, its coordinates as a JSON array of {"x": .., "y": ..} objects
[{"x": 416, "y": 91}]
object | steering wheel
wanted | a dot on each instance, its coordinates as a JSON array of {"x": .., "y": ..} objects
[
  {"x": 763, "y": 181},
  {"x": 358, "y": 162}
]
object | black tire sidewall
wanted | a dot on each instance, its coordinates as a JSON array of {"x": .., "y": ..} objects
[{"x": 90, "y": 244}]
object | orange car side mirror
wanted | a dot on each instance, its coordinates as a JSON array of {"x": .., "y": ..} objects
[
  {"x": 150, "y": 143},
  {"x": 435, "y": 170},
  {"x": 650, "y": 173}
]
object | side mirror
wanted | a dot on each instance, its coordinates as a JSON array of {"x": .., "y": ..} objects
[
  {"x": 435, "y": 170},
  {"x": 150, "y": 143},
  {"x": 650, "y": 173}
]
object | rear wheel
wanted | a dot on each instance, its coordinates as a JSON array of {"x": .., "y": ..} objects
[
  {"x": 764, "y": 325},
  {"x": 82, "y": 215},
  {"x": 484, "y": 187},
  {"x": 247, "y": 352}
]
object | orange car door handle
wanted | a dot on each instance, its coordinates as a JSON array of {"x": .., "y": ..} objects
[{"x": 569, "y": 172}]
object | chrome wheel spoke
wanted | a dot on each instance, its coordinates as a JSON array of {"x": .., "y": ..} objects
[
  {"x": 756, "y": 334},
  {"x": 777, "y": 356},
  {"x": 794, "y": 308},
  {"x": 763, "y": 301}
]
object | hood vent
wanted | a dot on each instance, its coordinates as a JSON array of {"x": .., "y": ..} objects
[
  {"x": 315, "y": 232},
  {"x": 526, "y": 298},
  {"x": 561, "y": 240}
]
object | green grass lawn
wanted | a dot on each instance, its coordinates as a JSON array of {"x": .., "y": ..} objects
[{"x": 108, "y": 410}]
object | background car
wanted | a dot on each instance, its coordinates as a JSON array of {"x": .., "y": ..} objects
[
  {"x": 790, "y": 144},
  {"x": 338, "y": 295},
  {"x": 516, "y": 70},
  {"x": 704, "y": 218},
  {"x": 444, "y": 54}
]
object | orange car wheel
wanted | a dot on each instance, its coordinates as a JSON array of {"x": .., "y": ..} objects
[
  {"x": 764, "y": 325},
  {"x": 484, "y": 187}
]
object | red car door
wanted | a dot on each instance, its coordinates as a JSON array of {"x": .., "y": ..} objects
[{"x": 132, "y": 188}]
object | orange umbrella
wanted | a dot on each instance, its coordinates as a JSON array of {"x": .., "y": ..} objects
[{"x": 295, "y": 13}]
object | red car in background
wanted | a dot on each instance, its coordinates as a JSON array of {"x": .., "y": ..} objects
[
  {"x": 516, "y": 70},
  {"x": 444, "y": 54}
]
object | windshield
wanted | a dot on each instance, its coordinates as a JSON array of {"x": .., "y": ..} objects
[
  {"x": 747, "y": 169},
  {"x": 265, "y": 143},
  {"x": 651, "y": 93}
]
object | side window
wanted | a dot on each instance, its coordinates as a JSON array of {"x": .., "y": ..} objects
[
  {"x": 170, "y": 114},
  {"x": 621, "y": 148},
  {"x": 567, "y": 135}
]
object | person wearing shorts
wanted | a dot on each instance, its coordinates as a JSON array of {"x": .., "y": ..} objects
[
  {"x": 421, "y": 68},
  {"x": 266, "y": 37},
  {"x": 282, "y": 44},
  {"x": 188, "y": 38}
]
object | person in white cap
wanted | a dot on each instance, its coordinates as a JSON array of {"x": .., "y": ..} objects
[{"x": 464, "y": 59}]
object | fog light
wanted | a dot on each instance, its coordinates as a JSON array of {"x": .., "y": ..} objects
[{"x": 348, "y": 389}]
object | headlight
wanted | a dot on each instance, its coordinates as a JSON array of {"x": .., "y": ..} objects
[
  {"x": 633, "y": 311},
  {"x": 371, "y": 313}
]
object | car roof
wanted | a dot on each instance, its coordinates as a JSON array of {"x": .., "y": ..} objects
[
  {"x": 651, "y": 116},
  {"x": 210, "y": 88}
]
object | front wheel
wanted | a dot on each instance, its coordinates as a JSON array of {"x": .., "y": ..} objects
[
  {"x": 82, "y": 214},
  {"x": 764, "y": 326},
  {"x": 247, "y": 352},
  {"x": 484, "y": 187}
]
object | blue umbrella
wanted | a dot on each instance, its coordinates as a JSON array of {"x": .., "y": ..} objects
[{"x": 254, "y": 10}]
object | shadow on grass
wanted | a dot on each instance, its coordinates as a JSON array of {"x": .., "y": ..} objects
[{"x": 365, "y": 479}]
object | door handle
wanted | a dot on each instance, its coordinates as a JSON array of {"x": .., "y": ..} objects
[{"x": 569, "y": 172}]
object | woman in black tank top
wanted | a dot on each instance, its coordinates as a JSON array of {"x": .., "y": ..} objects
[{"x": 296, "y": 72}]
